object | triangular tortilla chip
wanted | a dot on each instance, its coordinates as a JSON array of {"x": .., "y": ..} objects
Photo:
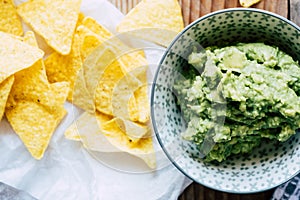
[
  {"x": 34, "y": 125},
  {"x": 88, "y": 130},
  {"x": 248, "y": 3},
  {"x": 5, "y": 88},
  {"x": 35, "y": 107},
  {"x": 16, "y": 55},
  {"x": 142, "y": 148},
  {"x": 154, "y": 20},
  {"x": 54, "y": 20},
  {"x": 9, "y": 19}
]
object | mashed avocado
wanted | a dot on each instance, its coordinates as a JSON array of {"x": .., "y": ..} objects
[{"x": 238, "y": 96}]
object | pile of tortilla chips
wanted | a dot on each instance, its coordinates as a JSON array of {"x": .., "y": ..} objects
[{"x": 89, "y": 66}]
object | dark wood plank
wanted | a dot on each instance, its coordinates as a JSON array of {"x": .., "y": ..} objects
[
  {"x": 205, "y": 7},
  {"x": 260, "y": 5},
  {"x": 232, "y": 3},
  {"x": 199, "y": 192},
  {"x": 295, "y": 11},
  {"x": 195, "y": 9},
  {"x": 282, "y": 8},
  {"x": 218, "y": 5},
  {"x": 185, "y": 9}
]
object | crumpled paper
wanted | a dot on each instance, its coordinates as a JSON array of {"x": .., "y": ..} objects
[
  {"x": 10, "y": 193},
  {"x": 68, "y": 171}
]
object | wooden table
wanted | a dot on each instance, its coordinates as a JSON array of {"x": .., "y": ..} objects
[{"x": 192, "y": 10}]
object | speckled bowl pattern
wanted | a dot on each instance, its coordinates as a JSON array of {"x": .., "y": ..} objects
[{"x": 267, "y": 166}]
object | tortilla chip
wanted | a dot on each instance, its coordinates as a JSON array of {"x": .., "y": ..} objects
[
  {"x": 102, "y": 72},
  {"x": 154, "y": 20},
  {"x": 95, "y": 27},
  {"x": 88, "y": 40},
  {"x": 34, "y": 118},
  {"x": 54, "y": 20},
  {"x": 142, "y": 103},
  {"x": 29, "y": 38},
  {"x": 16, "y": 55},
  {"x": 9, "y": 19},
  {"x": 106, "y": 84},
  {"x": 248, "y": 3},
  {"x": 134, "y": 131},
  {"x": 102, "y": 68},
  {"x": 34, "y": 125},
  {"x": 88, "y": 130},
  {"x": 80, "y": 19},
  {"x": 87, "y": 77},
  {"x": 34, "y": 107},
  {"x": 104, "y": 35},
  {"x": 5, "y": 88},
  {"x": 142, "y": 148},
  {"x": 123, "y": 101},
  {"x": 65, "y": 67},
  {"x": 82, "y": 97}
]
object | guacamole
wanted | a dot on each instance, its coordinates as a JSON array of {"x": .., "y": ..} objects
[{"x": 235, "y": 97}]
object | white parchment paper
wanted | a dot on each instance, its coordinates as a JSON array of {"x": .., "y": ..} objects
[{"x": 67, "y": 171}]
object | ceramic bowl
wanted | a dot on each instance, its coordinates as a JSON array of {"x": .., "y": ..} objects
[{"x": 269, "y": 165}]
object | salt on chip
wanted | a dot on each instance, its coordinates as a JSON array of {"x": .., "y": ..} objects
[
  {"x": 154, "y": 20},
  {"x": 5, "y": 88},
  {"x": 9, "y": 19},
  {"x": 34, "y": 107},
  {"x": 16, "y": 55},
  {"x": 54, "y": 20}
]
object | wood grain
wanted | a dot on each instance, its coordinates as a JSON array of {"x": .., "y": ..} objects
[
  {"x": 199, "y": 192},
  {"x": 295, "y": 11},
  {"x": 193, "y": 9}
]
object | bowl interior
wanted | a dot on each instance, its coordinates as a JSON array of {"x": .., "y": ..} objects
[{"x": 268, "y": 165}]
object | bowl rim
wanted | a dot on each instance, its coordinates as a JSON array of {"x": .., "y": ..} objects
[{"x": 155, "y": 80}]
